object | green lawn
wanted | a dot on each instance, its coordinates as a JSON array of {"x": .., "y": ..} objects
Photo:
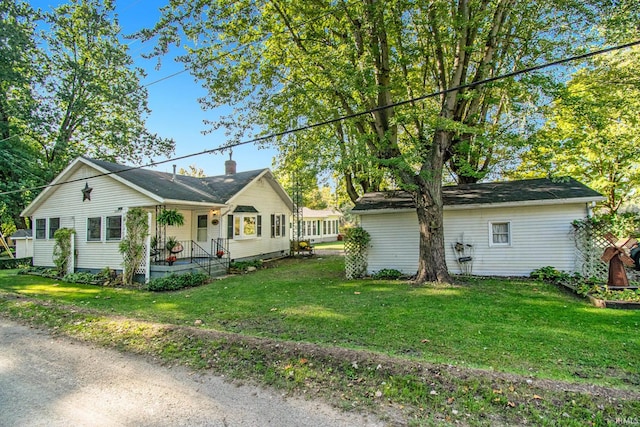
[
  {"x": 517, "y": 326},
  {"x": 398, "y": 351}
]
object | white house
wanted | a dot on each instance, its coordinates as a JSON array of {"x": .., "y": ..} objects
[
  {"x": 319, "y": 225},
  {"x": 237, "y": 215},
  {"x": 500, "y": 229},
  {"x": 23, "y": 240}
]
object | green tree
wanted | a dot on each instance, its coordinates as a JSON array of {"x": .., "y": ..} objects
[
  {"x": 289, "y": 64},
  {"x": 19, "y": 166},
  {"x": 194, "y": 171},
  {"x": 592, "y": 132},
  {"x": 90, "y": 101}
]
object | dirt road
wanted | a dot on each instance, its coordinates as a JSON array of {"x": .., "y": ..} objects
[{"x": 52, "y": 381}]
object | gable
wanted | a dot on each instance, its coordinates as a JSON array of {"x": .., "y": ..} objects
[{"x": 160, "y": 187}]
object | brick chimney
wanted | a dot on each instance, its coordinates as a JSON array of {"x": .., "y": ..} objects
[{"x": 230, "y": 165}]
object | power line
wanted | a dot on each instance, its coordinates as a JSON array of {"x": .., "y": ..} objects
[{"x": 349, "y": 116}]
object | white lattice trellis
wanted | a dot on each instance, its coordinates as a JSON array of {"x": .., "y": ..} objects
[
  {"x": 355, "y": 260},
  {"x": 590, "y": 245}
]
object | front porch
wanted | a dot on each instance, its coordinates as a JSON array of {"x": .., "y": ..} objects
[{"x": 187, "y": 256}]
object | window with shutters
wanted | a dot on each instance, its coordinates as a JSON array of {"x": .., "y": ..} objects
[
  {"x": 41, "y": 228},
  {"x": 278, "y": 225},
  {"x": 245, "y": 226},
  {"x": 94, "y": 229},
  {"x": 54, "y": 225},
  {"x": 114, "y": 227}
]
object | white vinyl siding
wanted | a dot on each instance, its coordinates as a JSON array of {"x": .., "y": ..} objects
[
  {"x": 109, "y": 198},
  {"x": 262, "y": 196},
  {"x": 539, "y": 236}
]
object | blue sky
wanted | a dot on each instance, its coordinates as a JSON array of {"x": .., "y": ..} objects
[{"x": 175, "y": 112}]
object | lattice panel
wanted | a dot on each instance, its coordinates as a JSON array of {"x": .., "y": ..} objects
[
  {"x": 141, "y": 268},
  {"x": 590, "y": 245},
  {"x": 355, "y": 260}
]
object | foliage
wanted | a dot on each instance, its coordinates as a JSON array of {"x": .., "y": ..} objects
[
  {"x": 132, "y": 247},
  {"x": 175, "y": 282},
  {"x": 170, "y": 217},
  {"x": 625, "y": 224},
  {"x": 550, "y": 274},
  {"x": 592, "y": 131},
  {"x": 9, "y": 263},
  {"x": 68, "y": 87},
  {"x": 357, "y": 236},
  {"x": 62, "y": 249},
  {"x": 388, "y": 273},
  {"x": 194, "y": 171},
  {"x": 244, "y": 265},
  {"x": 80, "y": 277},
  {"x": 301, "y": 63}
]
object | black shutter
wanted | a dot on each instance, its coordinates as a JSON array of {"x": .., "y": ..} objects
[
  {"x": 229, "y": 226},
  {"x": 273, "y": 225},
  {"x": 259, "y": 220},
  {"x": 284, "y": 226}
]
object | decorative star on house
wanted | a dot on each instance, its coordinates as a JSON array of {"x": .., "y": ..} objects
[{"x": 86, "y": 192}]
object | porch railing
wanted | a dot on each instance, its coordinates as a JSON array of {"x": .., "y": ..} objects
[{"x": 217, "y": 255}]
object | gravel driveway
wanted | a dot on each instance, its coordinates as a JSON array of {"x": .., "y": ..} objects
[{"x": 52, "y": 381}]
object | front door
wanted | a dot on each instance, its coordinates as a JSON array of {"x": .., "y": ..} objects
[{"x": 201, "y": 231}]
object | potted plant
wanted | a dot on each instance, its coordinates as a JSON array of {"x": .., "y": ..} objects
[
  {"x": 170, "y": 217},
  {"x": 171, "y": 259},
  {"x": 220, "y": 253}
]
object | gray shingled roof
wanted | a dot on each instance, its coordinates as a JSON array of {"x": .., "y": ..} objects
[
  {"x": 21, "y": 234},
  {"x": 486, "y": 193},
  {"x": 214, "y": 189}
]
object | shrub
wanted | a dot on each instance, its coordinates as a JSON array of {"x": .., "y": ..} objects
[
  {"x": 243, "y": 265},
  {"x": 550, "y": 274},
  {"x": 80, "y": 277},
  {"x": 388, "y": 273},
  {"x": 6, "y": 264},
  {"x": 174, "y": 282}
]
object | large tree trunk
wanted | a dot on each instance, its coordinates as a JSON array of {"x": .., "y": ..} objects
[{"x": 432, "y": 265}]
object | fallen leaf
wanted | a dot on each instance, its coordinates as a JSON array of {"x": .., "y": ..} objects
[
  {"x": 535, "y": 396},
  {"x": 357, "y": 293},
  {"x": 497, "y": 391},
  {"x": 425, "y": 341},
  {"x": 511, "y": 404}
]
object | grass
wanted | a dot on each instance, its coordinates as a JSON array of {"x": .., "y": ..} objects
[
  {"x": 512, "y": 330},
  {"x": 336, "y": 245}
]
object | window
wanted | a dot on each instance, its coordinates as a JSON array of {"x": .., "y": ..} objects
[
  {"x": 201, "y": 234},
  {"x": 500, "y": 233},
  {"x": 245, "y": 226},
  {"x": 54, "y": 225},
  {"x": 41, "y": 228},
  {"x": 94, "y": 229},
  {"x": 278, "y": 226},
  {"x": 114, "y": 227},
  {"x": 249, "y": 226}
]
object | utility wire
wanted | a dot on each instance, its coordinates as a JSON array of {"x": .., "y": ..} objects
[{"x": 349, "y": 116}]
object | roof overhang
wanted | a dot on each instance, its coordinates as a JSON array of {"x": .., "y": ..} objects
[{"x": 567, "y": 201}]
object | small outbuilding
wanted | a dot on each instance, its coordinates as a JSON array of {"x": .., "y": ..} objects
[
  {"x": 499, "y": 228},
  {"x": 23, "y": 240}
]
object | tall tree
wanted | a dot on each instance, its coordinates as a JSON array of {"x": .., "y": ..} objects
[
  {"x": 289, "y": 64},
  {"x": 71, "y": 89},
  {"x": 592, "y": 131},
  {"x": 90, "y": 100},
  {"x": 17, "y": 74}
]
